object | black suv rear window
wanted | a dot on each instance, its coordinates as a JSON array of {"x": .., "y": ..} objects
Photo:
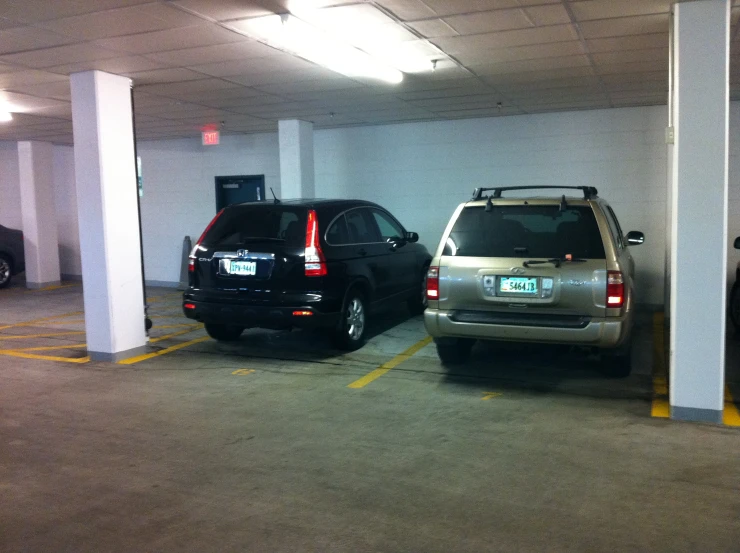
[
  {"x": 244, "y": 224},
  {"x": 532, "y": 231}
]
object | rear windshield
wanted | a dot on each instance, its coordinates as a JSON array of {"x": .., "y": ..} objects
[
  {"x": 526, "y": 231},
  {"x": 248, "y": 224}
]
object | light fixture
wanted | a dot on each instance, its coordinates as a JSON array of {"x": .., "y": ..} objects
[
  {"x": 287, "y": 32},
  {"x": 5, "y": 116}
]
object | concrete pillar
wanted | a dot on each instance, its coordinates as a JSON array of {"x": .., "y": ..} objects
[
  {"x": 40, "y": 238},
  {"x": 105, "y": 174},
  {"x": 699, "y": 210},
  {"x": 296, "y": 159}
]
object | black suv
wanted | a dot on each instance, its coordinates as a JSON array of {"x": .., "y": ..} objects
[
  {"x": 12, "y": 259},
  {"x": 303, "y": 263}
]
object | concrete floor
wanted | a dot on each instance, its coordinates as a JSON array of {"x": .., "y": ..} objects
[{"x": 521, "y": 450}]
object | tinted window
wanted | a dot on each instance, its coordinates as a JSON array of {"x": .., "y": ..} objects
[
  {"x": 244, "y": 224},
  {"x": 616, "y": 222},
  {"x": 526, "y": 231},
  {"x": 360, "y": 227},
  {"x": 337, "y": 234},
  {"x": 389, "y": 229},
  {"x": 613, "y": 227}
]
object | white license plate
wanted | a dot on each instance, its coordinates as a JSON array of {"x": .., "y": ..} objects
[
  {"x": 243, "y": 268},
  {"x": 518, "y": 285}
]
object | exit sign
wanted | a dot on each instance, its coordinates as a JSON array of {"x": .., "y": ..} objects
[{"x": 210, "y": 138}]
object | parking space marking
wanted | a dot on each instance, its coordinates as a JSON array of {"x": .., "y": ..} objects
[
  {"x": 489, "y": 395},
  {"x": 660, "y": 406},
  {"x": 55, "y": 287},
  {"x": 393, "y": 363},
  {"x": 178, "y": 325},
  {"x": 139, "y": 358},
  {"x": 43, "y": 319},
  {"x": 46, "y": 348},
  {"x": 730, "y": 414},
  {"x": 243, "y": 372},
  {"x": 25, "y": 355},
  {"x": 44, "y": 335},
  {"x": 195, "y": 327}
]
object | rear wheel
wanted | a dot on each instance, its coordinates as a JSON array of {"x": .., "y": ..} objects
[
  {"x": 619, "y": 363},
  {"x": 419, "y": 302},
  {"x": 224, "y": 333},
  {"x": 350, "y": 333},
  {"x": 454, "y": 351},
  {"x": 6, "y": 271},
  {"x": 735, "y": 306}
]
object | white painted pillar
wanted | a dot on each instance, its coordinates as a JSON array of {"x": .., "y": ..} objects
[
  {"x": 296, "y": 159},
  {"x": 699, "y": 210},
  {"x": 40, "y": 237},
  {"x": 105, "y": 175}
]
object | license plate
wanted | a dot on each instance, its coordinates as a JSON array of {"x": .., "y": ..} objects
[
  {"x": 243, "y": 268},
  {"x": 518, "y": 285}
]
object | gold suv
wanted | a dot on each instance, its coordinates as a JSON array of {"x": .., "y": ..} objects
[{"x": 552, "y": 269}]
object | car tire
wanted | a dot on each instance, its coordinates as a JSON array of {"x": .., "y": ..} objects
[
  {"x": 454, "y": 351},
  {"x": 6, "y": 271},
  {"x": 418, "y": 304},
  {"x": 735, "y": 306},
  {"x": 224, "y": 333},
  {"x": 618, "y": 364},
  {"x": 350, "y": 332}
]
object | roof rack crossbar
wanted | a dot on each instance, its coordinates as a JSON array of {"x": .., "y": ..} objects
[{"x": 589, "y": 192}]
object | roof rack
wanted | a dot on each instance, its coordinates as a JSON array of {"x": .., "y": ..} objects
[{"x": 589, "y": 192}]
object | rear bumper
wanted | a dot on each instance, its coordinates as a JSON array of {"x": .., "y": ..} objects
[
  {"x": 259, "y": 316},
  {"x": 605, "y": 332}
]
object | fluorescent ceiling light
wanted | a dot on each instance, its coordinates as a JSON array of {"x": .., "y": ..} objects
[
  {"x": 287, "y": 32},
  {"x": 5, "y": 116},
  {"x": 369, "y": 29}
]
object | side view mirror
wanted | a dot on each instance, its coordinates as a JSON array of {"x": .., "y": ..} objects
[
  {"x": 414, "y": 237},
  {"x": 635, "y": 238},
  {"x": 737, "y": 243}
]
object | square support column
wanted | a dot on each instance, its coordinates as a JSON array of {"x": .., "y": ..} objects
[
  {"x": 105, "y": 175},
  {"x": 40, "y": 236},
  {"x": 699, "y": 210},
  {"x": 296, "y": 159}
]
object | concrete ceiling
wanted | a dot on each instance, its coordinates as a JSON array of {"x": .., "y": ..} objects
[{"x": 192, "y": 66}]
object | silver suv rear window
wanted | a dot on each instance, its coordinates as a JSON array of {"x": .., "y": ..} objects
[{"x": 531, "y": 231}]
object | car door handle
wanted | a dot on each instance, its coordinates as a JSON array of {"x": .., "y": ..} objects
[{"x": 362, "y": 252}]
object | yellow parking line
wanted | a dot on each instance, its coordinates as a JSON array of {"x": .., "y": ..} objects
[
  {"x": 172, "y": 335},
  {"x": 397, "y": 360},
  {"x": 46, "y": 335},
  {"x": 660, "y": 407},
  {"x": 46, "y": 348},
  {"x": 132, "y": 360},
  {"x": 178, "y": 325},
  {"x": 45, "y": 357},
  {"x": 33, "y": 322},
  {"x": 55, "y": 287},
  {"x": 78, "y": 321},
  {"x": 731, "y": 415}
]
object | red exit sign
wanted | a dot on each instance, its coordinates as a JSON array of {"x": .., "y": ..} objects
[{"x": 210, "y": 138}]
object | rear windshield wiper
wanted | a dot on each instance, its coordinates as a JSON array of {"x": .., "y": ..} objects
[{"x": 555, "y": 261}]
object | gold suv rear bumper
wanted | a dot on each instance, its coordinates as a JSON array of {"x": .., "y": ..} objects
[{"x": 598, "y": 332}]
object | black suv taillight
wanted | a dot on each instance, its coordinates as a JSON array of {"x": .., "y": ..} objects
[{"x": 314, "y": 257}]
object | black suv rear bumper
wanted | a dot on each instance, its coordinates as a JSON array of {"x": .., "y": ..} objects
[{"x": 260, "y": 316}]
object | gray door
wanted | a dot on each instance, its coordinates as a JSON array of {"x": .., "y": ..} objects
[{"x": 239, "y": 189}]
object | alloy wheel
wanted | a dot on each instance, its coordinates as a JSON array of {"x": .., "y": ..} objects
[{"x": 355, "y": 319}]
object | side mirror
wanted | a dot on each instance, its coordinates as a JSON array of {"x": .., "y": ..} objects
[
  {"x": 413, "y": 237},
  {"x": 635, "y": 238},
  {"x": 737, "y": 243}
]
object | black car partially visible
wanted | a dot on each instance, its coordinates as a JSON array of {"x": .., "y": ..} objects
[
  {"x": 303, "y": 263},
  {"x": 12, "y": 259}
]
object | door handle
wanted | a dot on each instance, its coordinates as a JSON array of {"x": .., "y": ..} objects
[{"x": 362, "y": 252}]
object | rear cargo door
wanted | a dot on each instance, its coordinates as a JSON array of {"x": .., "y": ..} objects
[
  {"x": 252, "y": 253},
  {"x": 525, "y": 258}
]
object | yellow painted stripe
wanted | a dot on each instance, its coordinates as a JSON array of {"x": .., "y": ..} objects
[
  {"x": 393, "y": 363},
  {"x": 47, "y": 335},
  {"x": 47, "y": 348},
  {"x": 178, "y": 325},
  {"x": 172, "y": 335},
  {"x": 731, "y": 415},
  {"x": 132, "y": 360},
  {"x": 45, "y": 357},
  {"x": 33, "y": 322},
  {"x": 660, "y": 406},
  {"x": 75, "y": 322},
  {"x": 55, "y": 287}
]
